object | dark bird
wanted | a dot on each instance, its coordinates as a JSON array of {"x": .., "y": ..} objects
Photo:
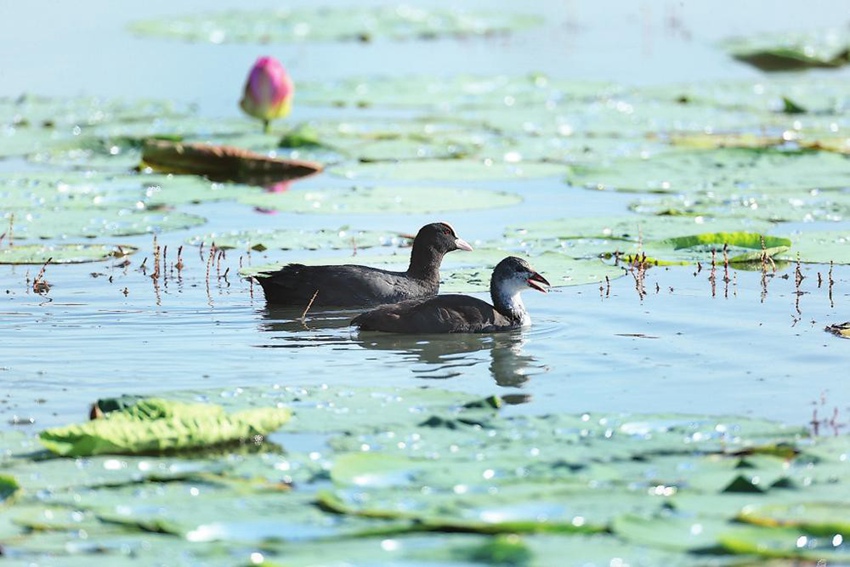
[
  {"x": 462, "y": 313},
  {"x": 357, "y": 286}
]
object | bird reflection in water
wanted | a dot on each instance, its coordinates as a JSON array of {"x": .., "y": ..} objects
[
  {"x": 441, "y": 356},
  {"x": 452, "y": 355},
  {"x": 290, "y": 327}
]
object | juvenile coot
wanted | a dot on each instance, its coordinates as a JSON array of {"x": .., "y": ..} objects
[
  {"x": 356, "y": 286},
  {"x": 462, "y": 313}
]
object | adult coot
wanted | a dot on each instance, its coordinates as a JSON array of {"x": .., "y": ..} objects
[{"x": 356, "y": 286}]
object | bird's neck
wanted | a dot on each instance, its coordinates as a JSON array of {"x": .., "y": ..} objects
[
  {"x": 510, "y": 305},
  {"x": 425, "y": 263}
]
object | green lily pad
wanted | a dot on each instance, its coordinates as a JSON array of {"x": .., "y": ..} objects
[
  {"x": 155, "y": 425},
  {"x": 816, "y": 518},
  {"x": 720, "y": 172},
  {"x": 511, "y": 509},
  {"x": 83, "y": 204},
  {"x": 68, "y": 223},
  {"x": 631, "y": 237},
  {"x": 693, "y": 534},
  {"x": 784, "y": 543},
  {"x": 37, "y": 126},
  {"x": 62, "y": 253},
  {"x": 821, "y": 96},
  {"x": 819, "y": 247},
  {"x": 402, "y": 22},
  {"x": 840, "y": 329},
  {"x": 447, "y": 170},
  {"x": 807, "y": 206},
  {"x": 500, "y": 91},
  {"x": 399, "y": 462},
  {"x": 343, "y": 238},
  {"x": 396, "y": 199},
  {"x": 789, "y": 52},
  {"x": 8, "y": 487},
  {"x": 561, "y": 269},
  {"x": 741, "y": 247},
  {"x": 168, "y": 191}
]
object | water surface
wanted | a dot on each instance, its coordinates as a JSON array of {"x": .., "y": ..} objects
[{"x": 747, "y": 348}]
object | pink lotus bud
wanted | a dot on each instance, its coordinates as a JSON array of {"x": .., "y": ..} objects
[{"x": 268, "y": 91}]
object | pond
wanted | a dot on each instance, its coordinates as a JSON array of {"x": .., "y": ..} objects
[{"x": 595, "y": 143}]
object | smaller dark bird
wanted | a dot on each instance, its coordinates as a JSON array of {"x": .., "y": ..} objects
[
  {"x": 462, "y": 313},
  {"x": 351, "y": 285}
]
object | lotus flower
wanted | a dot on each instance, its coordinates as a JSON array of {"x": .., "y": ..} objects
[{"x": 268, "y": 91}]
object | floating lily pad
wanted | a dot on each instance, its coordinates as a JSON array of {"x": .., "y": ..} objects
[
  {"x": 168, "y": 191},
  {"x": 840, "y": 330},
  {"x": 787, "y": 543},
  {"x": 447, "y": 170},
  {"x": 741, "y": 247},
  {"x": 806, "y": 206},
  {"x": 820, "y": 247},
  {"x": 672, "y": 241},
  {"x": 821, "y": 96},
  {"x": 8, "y": 487},
  {"x": 39, "y": 127},
  {"x": 525, "y": 508},
  {"x": 78, "y": 204},
  {"x": 398, "y": 199},
  {"x": 722, "y": 172},
  {"x": 62, "y": 253},
  {"x": 387, "y": 463},
  {"x": 500, "y": 91},
  {"x": 402, "y": 22},
  {"x": 790, "y": 52},
  {"x": 815, "y": 518},
  {"x": 559, "y": 268},
  {"x": 693, "y": 534},
  {"x": 154, "y": 425},
  {"x": 343, "y": 238},
  {"x": 78, "y": 223}
]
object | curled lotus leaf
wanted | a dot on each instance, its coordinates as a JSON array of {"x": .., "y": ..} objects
[{"x": 155, "y": 425}]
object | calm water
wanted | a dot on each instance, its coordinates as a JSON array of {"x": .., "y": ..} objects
[
  {"x": 680, "y": 348},
  {"x": 753, "y": 349}
]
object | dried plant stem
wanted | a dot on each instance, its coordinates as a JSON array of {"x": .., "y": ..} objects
[
  {"x": 712, "y": 275},
  {"x": 309, "y": 305},
  {"x": 831, "y": 283},
  {"x": 39, "y": 284},
  {"x": 767, "y": 264},
  {"x": 210, "y": 260},
  {"x": 638, "y": 269},
  {"x": 157, "y": 258}
]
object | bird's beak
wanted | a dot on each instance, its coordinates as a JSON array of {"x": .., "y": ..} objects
[
  {"x": 463, "y": 245},
  {"x": 536, "y": 281}
]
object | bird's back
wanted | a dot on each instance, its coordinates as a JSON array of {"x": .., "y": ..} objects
[
  {"x": 440, "y": 314},
  {"x": 341, "y": 286}
]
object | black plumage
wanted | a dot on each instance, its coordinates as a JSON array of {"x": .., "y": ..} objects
[
  {"x": 453, "y": 313},
  {"x": 352, "y": 285}
]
